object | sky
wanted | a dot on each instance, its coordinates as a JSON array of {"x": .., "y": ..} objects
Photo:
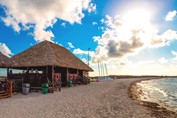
[{"x": 130, "y": 37}]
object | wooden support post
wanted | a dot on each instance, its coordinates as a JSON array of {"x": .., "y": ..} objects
[
  {"x": 67, "y": 77},
  {"x": 46, "y": 72},
  {"x": 27, "y": 75},
  {"x": 22, "y": 82},
  {"x": 7, "y": 84},
  {"x": 53, "y": 71},
  {"x": 10, "y": 87},
  {"x": 7, "y": 73}
]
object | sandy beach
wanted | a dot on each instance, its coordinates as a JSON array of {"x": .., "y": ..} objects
[{"x": 107, "y": 99}]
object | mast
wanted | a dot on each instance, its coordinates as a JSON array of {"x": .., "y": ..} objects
[
  {"x": 99, "y": 68},
  {"x": 103, "y": 69},
  {"x": 106, "y": 70}
]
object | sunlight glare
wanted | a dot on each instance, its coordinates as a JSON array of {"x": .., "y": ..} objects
[{"x": 137, "y": 18}]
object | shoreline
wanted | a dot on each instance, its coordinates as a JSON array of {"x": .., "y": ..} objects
[{"x": 156, "y": 109}]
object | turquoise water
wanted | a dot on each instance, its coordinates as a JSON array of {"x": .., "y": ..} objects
[
  {"x": 162, "y": 91},
  {"x": 3, "y": 72}
]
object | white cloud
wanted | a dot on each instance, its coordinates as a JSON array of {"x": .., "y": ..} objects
[
  {"x": 31, "y": 44},
  {"x": 102, "y": 20},
  {"x": 121, "y": 39},
  {"x": 40, "y": 34},
  {"x": 163, "y": 39},
  {"x": 169, "y": 35},
  {"x": 5, "y": 50},
  {"x": 163, "y": 60},
  {"x": 84, "y": 60},
  {"x": 9, "y": 21},
  {"x": 41, "y": 14},
  {"x": 70, "y": 45},
  {"x": 60, "y": 44},
  {"x": 63, "y": 24},
  {"x": 94, "y": 23},
  {"x": 171, "y": 15},
  {"x": 81, "y": 52},
  {"x": 174, "y": 53},
  {"x": 92, "y": 8}
]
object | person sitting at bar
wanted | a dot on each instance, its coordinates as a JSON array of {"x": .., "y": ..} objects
[{"x": 10, "y": 72}]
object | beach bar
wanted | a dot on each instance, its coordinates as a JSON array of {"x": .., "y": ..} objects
[{"x": 47, "y": 63}]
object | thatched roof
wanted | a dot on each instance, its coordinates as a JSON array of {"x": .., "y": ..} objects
[
  {"x": 49, "y": 54},
  {"x": 5, "y": 61}
]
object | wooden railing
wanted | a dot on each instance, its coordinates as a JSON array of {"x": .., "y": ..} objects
[
  {"x": 9, "y": 87},
  {"x": 5, "y": 89},
  {"x": 54, "y": 86}
]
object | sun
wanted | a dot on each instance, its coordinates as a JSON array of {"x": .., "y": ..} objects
[{"x": 137, "y": 18}]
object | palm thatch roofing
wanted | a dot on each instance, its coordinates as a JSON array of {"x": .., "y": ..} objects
[
  {"x": 49, "y": 54},
  {"x": 6, "y": 61}
]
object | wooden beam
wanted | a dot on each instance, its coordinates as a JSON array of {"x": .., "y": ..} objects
[
  {"x": 53, "y": 71},
  {"x": 27, "y": 74},
  {"x": 66, "y": 75},
  {"x": 7, "y": 73},
  {"x": 46, "y": 72},
  {"x": 10, "y": 88}
]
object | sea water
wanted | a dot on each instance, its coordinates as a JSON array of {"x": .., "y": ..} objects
[
  {"x": 105, "y": 78},
  {"x": 162, "y": 91}
]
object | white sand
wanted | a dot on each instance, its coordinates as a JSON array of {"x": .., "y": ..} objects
[{"x": 107, "y": 99}]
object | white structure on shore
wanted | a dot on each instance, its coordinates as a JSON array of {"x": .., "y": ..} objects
[{"x": 103, "y": 72}]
